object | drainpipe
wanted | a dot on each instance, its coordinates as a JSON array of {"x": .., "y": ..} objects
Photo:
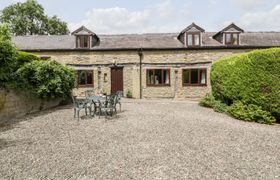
[{"x": 140, "y": 53}]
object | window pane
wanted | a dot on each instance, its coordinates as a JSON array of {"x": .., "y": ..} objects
[
  {"x": 166, "y": 76},
  {"x": 196, "y": 40},
  {"x": 85, "y": 41},
  {"x": 228, "y": 38},
  {"x": 194, "y": 76},
  {"x": 203, "y": 76},
  {"x": 79, "y": 40},
  {"x": 235, "y": 39},
  {"x": 190, "y": 40},
  {"x": 186, "y": 76},
  {"x": 150, "y": 77},
  {"x": 89, "y": 77},
  {"x": 158, "y": 76},
  {"x": 82, "y": 77}
]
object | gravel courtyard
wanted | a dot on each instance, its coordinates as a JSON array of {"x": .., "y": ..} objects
[{"x": 150, "y": 139}]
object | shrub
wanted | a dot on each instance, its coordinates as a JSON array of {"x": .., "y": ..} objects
[
  {"x": 129, "y": 94},
  {"x": 252, "y": 78},
  {"x": 207, "y": 101},
  {"x": 47, "y": 79},
  {"x": 220, "y": 107},
  {"x": 250, "y": 112},
  {"x": 24, "y": 57}
]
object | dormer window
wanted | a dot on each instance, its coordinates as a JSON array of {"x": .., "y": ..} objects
[
  {"x": 229, "y": 36},
  {"x": 191, "y": 36},
  {"x": 193, "y": 39},
  {"x": 85, "y": 38},
  {"x": 231, "y": 39},
  {"x": 83, "y": 41}
]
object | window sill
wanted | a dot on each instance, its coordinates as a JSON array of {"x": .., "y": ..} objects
[
  {"x": 82, "y": 47},
  {"x": 194, "y": 85},
  {"x": 158, "y": 85},
  {"x": 85, "y": 86}
]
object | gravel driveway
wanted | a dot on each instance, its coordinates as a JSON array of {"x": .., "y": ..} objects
[{"x": 150, "y": 139}]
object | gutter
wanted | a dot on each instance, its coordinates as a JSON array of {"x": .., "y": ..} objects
[
  {"x": 140, "y": 53},
  {"x": 150, "y": 49}
]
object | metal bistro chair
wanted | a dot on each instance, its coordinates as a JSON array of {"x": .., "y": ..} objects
[
  {"x": 89, "y": 93},
  {"x": 108, "y": 106},
  {"x": 119, "y": 95},
  {"x": 80, "y": 104},
  {"x": 89, "y": 96}
]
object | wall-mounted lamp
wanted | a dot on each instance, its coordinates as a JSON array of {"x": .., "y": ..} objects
[{"x": 105, "y": 77}]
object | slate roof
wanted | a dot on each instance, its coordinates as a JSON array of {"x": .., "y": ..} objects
[{"x": 145, "y": 41}]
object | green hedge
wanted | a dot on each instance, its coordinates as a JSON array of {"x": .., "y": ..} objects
[
  {"x": 252, "y": 78},
  {"x": 24, "y": 57},
  {"x": 47, "y": 79},
  {"x": 25, "y": 71}
]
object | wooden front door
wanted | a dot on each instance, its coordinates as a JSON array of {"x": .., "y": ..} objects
[{"x": 116, "y": 80}]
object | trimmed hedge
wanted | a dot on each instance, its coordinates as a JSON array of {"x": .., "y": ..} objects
[{"x": 252, "y": 78}]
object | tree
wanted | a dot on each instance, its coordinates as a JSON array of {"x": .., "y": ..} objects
[
  {"x": 8, "y": 55},
  {"x": 28, "y": 18},
  {"x": 57, "y": 27}
]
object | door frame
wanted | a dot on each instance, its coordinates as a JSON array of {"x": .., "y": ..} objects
[{"x": 118, "y": 68}]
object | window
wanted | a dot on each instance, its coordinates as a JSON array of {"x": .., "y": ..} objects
[
  {"x": 158, "y": 77},
  {"x": 83, "y": 41},
  {"x": 85, "y": 78},
  {"x": 193, "y": 39},
  {"x": 231, "y": 38},
  {"x": 194, "y": 77}
]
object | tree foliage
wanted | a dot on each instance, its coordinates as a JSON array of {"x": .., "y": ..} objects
[
  {"x": 28, "y": 18},
  {"x": 8, "y": 54}
]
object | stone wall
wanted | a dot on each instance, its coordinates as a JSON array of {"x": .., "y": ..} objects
[
  {"x": 175, "y": 60},
  {"x": 15, "y": 104}
]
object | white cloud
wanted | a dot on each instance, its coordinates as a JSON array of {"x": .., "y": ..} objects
[
  {"x": 159, "y": 18},
  {"x": 262, "y": 21},
  {"x": 248, "y": 4}
]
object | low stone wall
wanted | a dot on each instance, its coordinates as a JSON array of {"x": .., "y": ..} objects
[{"x": 14, "y": 104}]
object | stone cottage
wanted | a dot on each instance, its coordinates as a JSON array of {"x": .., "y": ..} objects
[{"x": 161, "y": 65}]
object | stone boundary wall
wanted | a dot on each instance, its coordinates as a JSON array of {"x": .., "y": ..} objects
[{"x": 15, "y": 104}]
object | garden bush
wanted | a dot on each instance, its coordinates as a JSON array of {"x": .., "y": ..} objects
[
  {"x": 47, "y": 79},
  {"x": 25, "y": 71},
  {"x": 250, "y": 112},
  {"x": 207, "y": 101},
  {"x": 210, "y": 102},
  {"x": 24, "y": 57},
  {"x": 253, "y": 78}
]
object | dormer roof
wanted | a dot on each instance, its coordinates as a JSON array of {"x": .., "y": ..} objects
[
  {"x": 192, "y": 28},
  {"x": 230, "y": 28},
  {"x": 83, "y": 31}
]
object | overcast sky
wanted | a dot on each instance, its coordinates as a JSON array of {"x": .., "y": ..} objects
[{"x": 146, "y": 16}]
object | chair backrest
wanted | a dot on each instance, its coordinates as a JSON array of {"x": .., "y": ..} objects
[
  {"x": 74, "y": 101},
  {"x": 119, "y": 93},
  {"x": 89, "y": 93},
  {"x": 112, "y": 101}
]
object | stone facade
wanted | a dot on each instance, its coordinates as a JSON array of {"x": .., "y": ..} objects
[
  {"x": 16, "y": 104},
  {"x": 174, "y": 60}
]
